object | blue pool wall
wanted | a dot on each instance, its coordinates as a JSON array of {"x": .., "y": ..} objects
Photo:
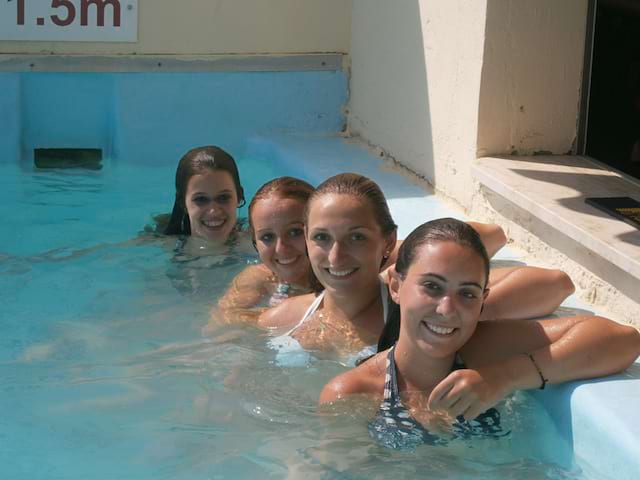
[
  {"x": 10, "y": 117},
  {"x": 155, "y": 117}
]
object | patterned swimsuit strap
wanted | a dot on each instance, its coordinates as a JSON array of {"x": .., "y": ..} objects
[{"x": 391, "y": 392}]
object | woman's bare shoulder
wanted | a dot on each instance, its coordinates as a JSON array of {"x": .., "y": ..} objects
[
  {"x": 254, "y": 275},
  {"x": 367, "y": 378},
  {"x": 287, "y": 314}
]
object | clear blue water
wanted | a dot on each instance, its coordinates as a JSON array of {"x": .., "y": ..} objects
[{"x": 104, "y": 373}]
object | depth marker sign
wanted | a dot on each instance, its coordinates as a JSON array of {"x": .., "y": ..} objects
[{"x": 69, "y": 20}]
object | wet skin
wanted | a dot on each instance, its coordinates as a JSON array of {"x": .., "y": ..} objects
[
  {"x": 345, "y": 243},
  {"x": 441, "y": 297}
]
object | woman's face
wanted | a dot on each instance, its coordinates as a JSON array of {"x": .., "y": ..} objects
[
  {"x": 345, "y": 243},
  {"x": 441, "y": 297},
  {"x": 211, "y": 203},
  {"x": 279, "y": 235}
]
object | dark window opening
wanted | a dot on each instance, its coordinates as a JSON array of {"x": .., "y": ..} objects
[
  {"x": 613, "y": 123},
  {"x": 88, "y": 158}
]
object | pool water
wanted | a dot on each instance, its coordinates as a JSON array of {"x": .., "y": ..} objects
[{"x": 104, "y": 372}]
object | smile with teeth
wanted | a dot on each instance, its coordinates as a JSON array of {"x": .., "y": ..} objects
[
  {"x": 341, "y": 273},
  {"x": 440, "y": 330},
  {"x": 212, "y": 223}
]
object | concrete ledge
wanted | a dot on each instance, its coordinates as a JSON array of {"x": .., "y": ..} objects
[
  {"x": 170, "y": 63},
  {"x": 551, "y": 190}
]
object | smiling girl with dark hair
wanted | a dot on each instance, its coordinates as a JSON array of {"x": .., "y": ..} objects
[{"x": 208, "y": 192}]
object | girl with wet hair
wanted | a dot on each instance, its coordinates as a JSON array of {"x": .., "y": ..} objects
[
  {"x": 350, "y": 237},
  {"x": 276, "y": 226},
  {"x": 208, "y": 192},
  {"x": 447, "y": 369}
]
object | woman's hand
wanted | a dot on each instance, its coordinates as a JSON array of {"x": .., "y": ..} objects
[{"x": 469, "y": 392}]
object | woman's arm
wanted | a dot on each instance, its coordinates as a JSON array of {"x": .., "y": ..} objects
[
  {"x": 525, "y": 292},
  {"x": 567, "y": 348},
  {"x": 561, "y": 349},
  {"x": 492, "y": 236},
  {"x": 238, "y": 303}
]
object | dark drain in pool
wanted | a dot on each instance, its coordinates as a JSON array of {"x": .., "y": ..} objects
[{"x": 89, "y": 158}]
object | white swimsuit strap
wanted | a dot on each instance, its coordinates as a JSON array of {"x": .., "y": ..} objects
[
  {"x": 310, "y": 311},
  {"x": 384, "y": 296}
]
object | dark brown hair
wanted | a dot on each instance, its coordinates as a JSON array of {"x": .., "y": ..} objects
[
  {"x": 441, "y": 230},
  {"x": 196, "y": 161}
]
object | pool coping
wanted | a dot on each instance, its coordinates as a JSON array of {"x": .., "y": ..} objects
[
  {"x": 548, "y": 193},
  {"x": 171, "y": 63}
]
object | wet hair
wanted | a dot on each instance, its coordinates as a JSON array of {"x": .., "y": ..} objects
[
  {"x": 441, "y": 230},
  {"x": 281, "y": 187},
  {"x": 197, "y": 161},
  {"x": 435, "y": 231},
  {"x": 361, "y": 187}
]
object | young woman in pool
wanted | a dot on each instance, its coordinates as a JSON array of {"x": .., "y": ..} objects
[
  {"x": 208, "y": 192},
  {"x": 441, "y": 369},
  {"x": 350, "y": 235},
  {"x": 276, "y": 227}
]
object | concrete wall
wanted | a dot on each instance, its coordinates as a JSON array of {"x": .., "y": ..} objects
[
  {"x": 436, "y": 82},
  {"x": 416, "y": 70},
  {"x": 222, "y": 26},
  {"x": 531, "y": 76}
]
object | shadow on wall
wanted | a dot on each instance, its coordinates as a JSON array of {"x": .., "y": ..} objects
[{"x": 389, "y": 104}]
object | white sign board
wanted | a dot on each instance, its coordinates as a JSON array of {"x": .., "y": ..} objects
[{"x": 69, "y": 20}]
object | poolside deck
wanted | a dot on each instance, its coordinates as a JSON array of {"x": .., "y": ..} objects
[{"x": 546, "y": 195}]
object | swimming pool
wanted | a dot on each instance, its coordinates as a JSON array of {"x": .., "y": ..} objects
[
  {"x": 102, "y": 365},
  {"x": 106, "y": 375}
]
